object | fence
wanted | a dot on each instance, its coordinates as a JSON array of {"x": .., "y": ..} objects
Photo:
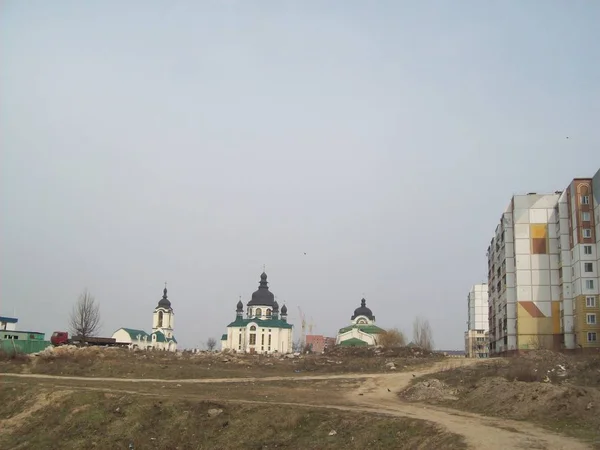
[{"x": 15, "y": 346}]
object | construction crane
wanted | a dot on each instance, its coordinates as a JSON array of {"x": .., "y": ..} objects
[
  {"x": 303, "y": 322},
  {"x": 311, "y": 325}
]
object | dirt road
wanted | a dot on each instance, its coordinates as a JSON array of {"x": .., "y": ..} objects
[
  {"x": 378, "y": 395},
  {"x": 480, "y": 432}
]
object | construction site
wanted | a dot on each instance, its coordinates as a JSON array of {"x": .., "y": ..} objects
[{"x": 343, "y": 398}]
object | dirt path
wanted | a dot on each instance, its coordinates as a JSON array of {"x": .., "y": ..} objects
[
  {"x": 345, "y": 376},
  {"x": 378, "y": 395}
]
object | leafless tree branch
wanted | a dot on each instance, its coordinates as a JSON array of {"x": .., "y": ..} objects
[
  {"x": 85, "y": 317},
  {"x": 422, "y": 334},
  {"x": 211, "y": 343}
]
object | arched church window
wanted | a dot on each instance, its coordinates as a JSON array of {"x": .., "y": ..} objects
[
  {"x": 258, "y": 312},
  {"x": 361, "y": 321},
  {"x": 160, "y": 319},
  {"x": 253, "y": 328},
  {"x": 252, "y": 339},
  {"x": 268, "y": 313}
]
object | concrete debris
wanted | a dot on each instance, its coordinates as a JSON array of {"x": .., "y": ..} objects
[
  {"x": 432, "y": 389},
  {"x": 332, "y": 433},
  {"x": 214, "y": 412}
]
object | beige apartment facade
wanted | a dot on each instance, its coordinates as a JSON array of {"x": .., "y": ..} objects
[{"x": 543, "y": 271}]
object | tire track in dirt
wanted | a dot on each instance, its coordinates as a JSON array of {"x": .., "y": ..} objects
[{"x": 376, "y": 395}]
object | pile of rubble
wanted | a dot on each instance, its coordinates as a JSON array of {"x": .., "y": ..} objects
[
  {"x": 430, "y": 390},
  {"x": 72, "y": 351},
  {"x": 400, "y": 352}
]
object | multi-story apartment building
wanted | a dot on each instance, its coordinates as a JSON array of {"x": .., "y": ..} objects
[
  {"x": 524, "y": 296},
  {"x": 543, "y": 271},
  {"x": 578, "y": 261},
  {"x": 476, "y": 336}
]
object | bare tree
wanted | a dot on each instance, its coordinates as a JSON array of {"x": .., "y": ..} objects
[
  {"x": 422, "y": 334},
  {"x": 211, "y": 344},
  {"x": 85, "y": 317},
  {"x": 391, "y": 338},
  {"x": 298, "y": 345}
]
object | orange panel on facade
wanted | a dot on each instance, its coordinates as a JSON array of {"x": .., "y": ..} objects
[
  {"x": 532, "y": 309},
  {"x": 556, "y": 317},
  {"x": 538, "y": 230},
  {"x": 539, "y": 246}
]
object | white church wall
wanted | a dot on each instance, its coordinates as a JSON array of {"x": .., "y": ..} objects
[
  {"x": 356, "y": 333},
  {"x": 168, "y": 319},
  {"x": 122, "y": 336},
  {"x": 280, "y": 338}
]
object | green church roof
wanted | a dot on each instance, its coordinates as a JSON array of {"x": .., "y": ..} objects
[
  {"x": 239, "y": 322},
  {"x": 354, "y": 342},
  {"x": 133, "y": 333},
  {"x": 369, "y": 329},
  {"x": 160, "y": 337},
  {"x": 224, "y": 337}
]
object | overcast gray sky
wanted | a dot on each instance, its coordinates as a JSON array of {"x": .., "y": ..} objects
[{"x": 193, "y": 142}]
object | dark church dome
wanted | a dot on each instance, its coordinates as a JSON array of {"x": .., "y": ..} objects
[
  {"x": 262, "y": 296},
  {"x": 240, "y": 306},
  {"x": 284, "y": 310},
  {"x": 363, "y": 311},
  {"x": 164, "y": 301}
]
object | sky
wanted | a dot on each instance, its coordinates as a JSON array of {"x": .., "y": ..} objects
[{"x": 352, "y": 148}]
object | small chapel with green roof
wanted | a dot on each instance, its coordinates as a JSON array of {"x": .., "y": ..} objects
[
  {"x": 161, "y": 338},
  {"x": 264, "y": 328},
  {"x": 362, "y": 331}
]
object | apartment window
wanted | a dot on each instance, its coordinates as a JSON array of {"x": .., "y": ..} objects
[
  {"x": 585, "y": 216},
  {"x": 592, "y": 336},
  {"x": 590, "y": 302},
  {"x": 589, "y": 284},
  {"x": 591, "y": 319},
  {"x": 585, "y": 199},
  {"x": 587, "y": 232},
  {"x": 588, "y": 267},
  {"x": 587, "y": 249}
]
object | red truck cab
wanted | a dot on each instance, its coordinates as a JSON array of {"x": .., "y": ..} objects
[{"x": 59, "y": 338}]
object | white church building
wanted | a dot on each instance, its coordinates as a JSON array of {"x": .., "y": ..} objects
[
  {"x": 161, "y": 338},
  {"x": 264, "y": 329},
  {"x": 362, "y": 331}
]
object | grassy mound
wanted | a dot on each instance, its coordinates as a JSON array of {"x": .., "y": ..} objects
[{"x": 34, "y": 417}]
